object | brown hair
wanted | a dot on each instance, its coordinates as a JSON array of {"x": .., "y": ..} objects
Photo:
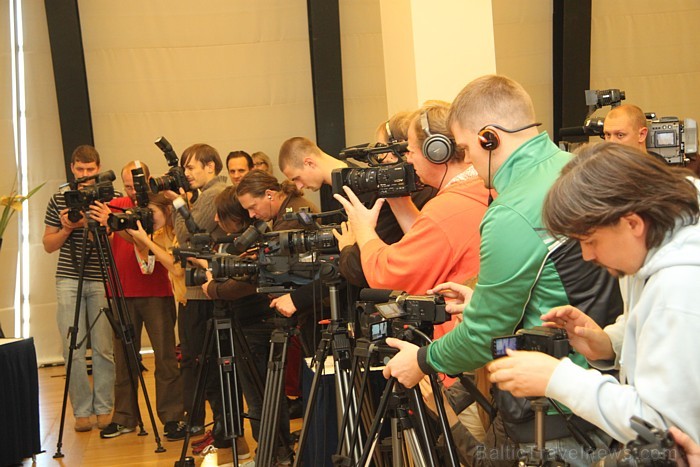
[
  {"x": 229, "y": 208},
  {"x": 438, "y": 123},
  {"x": 132, "y": 165},
  {"x": 293, "y": 151},
  {"x": 607, "y": 181},
  {"x": 85, "y": 154},
  {"x": 491, "y": 99},
  {"x": 204, "y": 154},
  {"x": 264, "y": 158},
  {"x": 398, "y": 126},
  {"x": 256, "y": 183},
  {"x": 243, "y": 154}
]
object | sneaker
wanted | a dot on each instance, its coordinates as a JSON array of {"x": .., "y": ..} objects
[
  {"x": 175, "y": 431},
  {"x": 83, "y": 424},
  {"x": 204, "y": 446},
  {"x": 114, "y": 429},
  {"x": 104, "y": 420}
]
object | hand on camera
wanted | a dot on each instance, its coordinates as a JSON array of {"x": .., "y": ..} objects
[
  {"x": 100, "y": 212},
  {"x": 404, "y": 365},
  {"x": 459, "y": 294},
  {"x": 205, "y": 286},
  {"x": 284, "y": 305},
  {"x": 523, "y": 373},
  {"x": 138, "y": 234},
  {"x": 585, "y": 336},
  {"x": 346, "y": 237},
  {"x": 171, "y": 195},
  {"x": 692, "y": 450},
  {"x": 68, "y": 225},
  {"x": 361, "y": 220}
]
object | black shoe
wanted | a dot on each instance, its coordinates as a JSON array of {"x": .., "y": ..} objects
[
  {"x": 114, "y": 429},
  {"x": 175, "y": 432},
  {"x": 296, "y": 408}
]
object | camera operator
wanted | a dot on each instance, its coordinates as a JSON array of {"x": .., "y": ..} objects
[
  {"x": 626, "y": 124},
  {"x": 149, "y": 301},
  {"x": 238, "y": 163},
  {"x": 267, "y": 199},
  {"x": 202, "y": 166},
  {"x": 635, "y": 216},
  {"x": 523, "y": 272},
  {"x": 65, "y": 235},
  {"x": 251, "y": 311}
]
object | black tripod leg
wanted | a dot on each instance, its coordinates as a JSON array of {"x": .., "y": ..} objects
[
  {"x": 451, "y": 450},
  {"x": 373, "y": 434},
  {"x": 228, "y": 383}
]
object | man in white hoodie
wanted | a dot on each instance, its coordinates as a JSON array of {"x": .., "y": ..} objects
[{"x": 634, "y": 216}]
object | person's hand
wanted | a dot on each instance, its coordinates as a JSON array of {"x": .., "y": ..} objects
[
  {"x": 523, "y": 373},
  {"x": 284, "y": 305},
  {"x": 139, "y": 234},
  {"x": 361, "y": 220},
  {"x": 198, "y": 262},
  {"x": 205, "y": 286},
  {"x": 404, "y": 365},
  {"x": 67, "y": 224},
  {"x": 171, "y": 195},
  {"x": 345, "y": 237},
  {"x": 426, "y": 391},
  {"x": 691, "y": 448},
  {"x": 459, "y": 294},
  {"x": 585, "y": 336},
  {"x": 100, "y": 212}
]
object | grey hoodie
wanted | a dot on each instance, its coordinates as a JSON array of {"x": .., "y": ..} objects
[{"x": 657, "y": 345}]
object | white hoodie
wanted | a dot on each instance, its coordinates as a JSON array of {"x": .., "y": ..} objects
[{"x": 659, "y": 355}]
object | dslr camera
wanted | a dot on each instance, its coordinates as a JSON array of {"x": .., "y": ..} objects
[
  {"x": 385, "y": 313},
  {"x": 175, "y": 178},
  {"x": 387, "y": 180},
  {"x": 552, "y": 341},
  {"x": 141, "y": 212},
  {"x": 79, "y": 200}
]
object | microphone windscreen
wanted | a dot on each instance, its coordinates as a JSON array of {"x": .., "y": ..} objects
[{"x": 375, "y": 295}]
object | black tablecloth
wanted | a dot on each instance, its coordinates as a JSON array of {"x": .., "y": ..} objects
[{"x": 19, "y": 401}]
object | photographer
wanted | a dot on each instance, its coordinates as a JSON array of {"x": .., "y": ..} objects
[
  {"x": 626, "y": 124},
  {"x": 202, "y": 165},
  {"x": 523, "y": 272},
  {"x": 635, "y": 216},
  {"x": 251, "y": 311},
  {"x": 65, "y": 235},
  {"x": 149, "y": 302}
]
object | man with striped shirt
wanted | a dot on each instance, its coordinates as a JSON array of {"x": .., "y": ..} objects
[{"x": 67, "y": 236}]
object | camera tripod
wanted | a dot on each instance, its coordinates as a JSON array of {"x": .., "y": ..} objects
[
  {"x": 411, "y": 440},
  {"x": 124, "y": 328},
  {"x": 540, "y": 455}
]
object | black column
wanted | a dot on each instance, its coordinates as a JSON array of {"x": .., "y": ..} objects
[
  {"x": 327, "y": 78},
  {"x": 571, "y": 62},
  {"x": 70, "y": 77}
]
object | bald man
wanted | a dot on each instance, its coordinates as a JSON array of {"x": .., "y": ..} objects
[{"x": 626, "y": 124}]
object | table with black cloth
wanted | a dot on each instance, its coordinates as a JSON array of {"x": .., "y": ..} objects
[{"x": 19, "y": 401}]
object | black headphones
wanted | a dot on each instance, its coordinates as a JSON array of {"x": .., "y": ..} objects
[
  {"x": 489, "y": 140},
  {"x": 437, "y": 148}
]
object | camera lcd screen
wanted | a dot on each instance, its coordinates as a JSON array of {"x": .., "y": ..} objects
[
  {"x": 500, "y": 344},
  {"x": 390, "y": 310},
  {"x": 664, "y": 139},
  {"x": 378, "y": 330}
]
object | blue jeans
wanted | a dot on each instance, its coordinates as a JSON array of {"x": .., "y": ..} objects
[{"x": 87, "y": 401}]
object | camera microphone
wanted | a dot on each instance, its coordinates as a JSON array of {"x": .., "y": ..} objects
[
  {"x": 249, "y": 236},
  {"x": 192, "y": 227},
  {"x": 359, "y": 150},
  {"x": 379, "y": 295}
]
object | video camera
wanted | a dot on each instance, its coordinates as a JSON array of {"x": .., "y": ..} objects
[
  {"x": 552, "y": 341},
  {"x": 387, "y": 180},
  {"x": 141, "y": 212},
  {"x": 652, "y": 447},
  {"x": 79, "y": 200},
  {"x": 385, "y": 313},
  {"x": 175, "y": 178}
]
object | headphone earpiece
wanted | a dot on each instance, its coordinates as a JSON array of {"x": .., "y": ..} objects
[
  {"x": 437, "y": 148},
  {"x": 390, "y": 136},
  {"x": 488, "y": 139}
]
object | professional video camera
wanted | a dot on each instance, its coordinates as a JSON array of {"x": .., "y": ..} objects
[
  {"x": 141, "y": 212},
  {"x": 78, "y": 199},
  {"x": 552, "y": 341},
  {"x": 387, "y": 180},
  {"x": 652, "y": 447},
  {"x": 175, "y": 178},
  {"x": 385, "y": 313}
]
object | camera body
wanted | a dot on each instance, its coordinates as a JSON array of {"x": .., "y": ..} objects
[
  {"x": 552, "y": 341},
  {"x": 79, "y": 200},
  {"x": 653, "y": 447},
  {"x": 129, "y": 219},
  {"x": 388, "y": 181},
  {"x": 672, "y": 138},
  {"x": 175, "y": 178}
]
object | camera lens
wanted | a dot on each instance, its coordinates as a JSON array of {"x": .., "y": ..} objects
[{"x": 166, "y": 182}]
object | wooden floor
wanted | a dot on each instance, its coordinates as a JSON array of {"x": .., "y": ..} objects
[{"x": 88, "y": 449}]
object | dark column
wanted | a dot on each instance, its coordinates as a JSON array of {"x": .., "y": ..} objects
[
  {"x": 571, "y": 62},
  {"x": 69, "y": 74},
  {"x": 327, "y": 78}
]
